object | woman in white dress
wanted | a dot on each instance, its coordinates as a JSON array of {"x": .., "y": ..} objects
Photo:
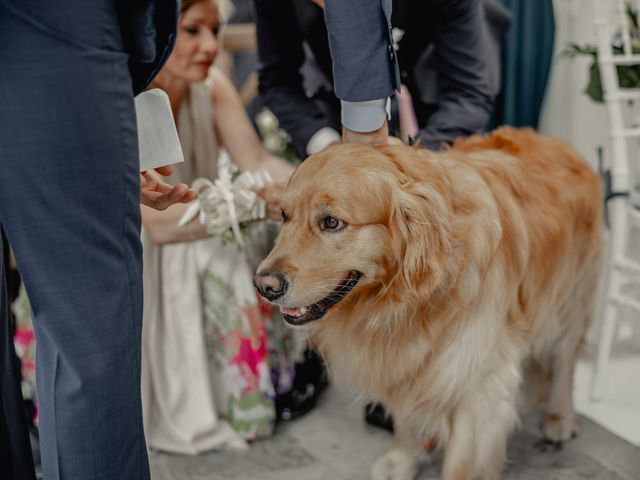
[{"x": 206, "y": 380}]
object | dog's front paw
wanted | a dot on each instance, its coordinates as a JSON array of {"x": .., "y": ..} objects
[
  {"x": 559, "y": 428},
  {"x": 394, "y": 465}
]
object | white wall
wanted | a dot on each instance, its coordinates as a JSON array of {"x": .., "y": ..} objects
[
  {"x": 567, "y": 113},
  {"x": 572, "y": 116}
]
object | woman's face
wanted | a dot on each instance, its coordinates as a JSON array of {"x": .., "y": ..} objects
[{"x": 196, "y": 43}]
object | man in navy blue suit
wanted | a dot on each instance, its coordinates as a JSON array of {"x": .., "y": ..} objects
[{"x": 70, "y": 191}]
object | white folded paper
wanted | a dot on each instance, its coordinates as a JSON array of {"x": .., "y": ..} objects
[{"x": 158, "y": 142}]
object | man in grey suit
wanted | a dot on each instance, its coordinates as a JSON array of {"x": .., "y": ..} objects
[
  {"x": 365, "y": 67},
  {"x": 70, "y": 191},
  {"x": 448, "y": 52}
]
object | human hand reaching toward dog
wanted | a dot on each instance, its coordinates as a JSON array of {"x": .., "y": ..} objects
[
  {"x": 160, "y": 195},
  {"x": 272, "y": 195},
  {"x": 280, "y": 170}
]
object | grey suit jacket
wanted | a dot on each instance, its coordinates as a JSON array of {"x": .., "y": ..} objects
[{"x": 365, "y": 66}]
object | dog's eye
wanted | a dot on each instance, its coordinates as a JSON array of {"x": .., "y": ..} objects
[
  {"x": 332, "y": 224},
  {"x": 284, "y": 217}
]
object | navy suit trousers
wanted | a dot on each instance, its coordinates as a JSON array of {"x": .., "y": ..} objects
[{"x": 69, "y": 204}]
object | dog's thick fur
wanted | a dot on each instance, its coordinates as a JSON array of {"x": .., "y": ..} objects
[{"x": 478, "y": 263}]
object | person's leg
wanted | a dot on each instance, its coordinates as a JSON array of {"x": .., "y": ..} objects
[
  {"x": 69, "y": 199},
  {"x": 16, "y": 461}
]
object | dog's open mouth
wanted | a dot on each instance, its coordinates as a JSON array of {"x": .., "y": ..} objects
[{"x": 301, "y": 315}]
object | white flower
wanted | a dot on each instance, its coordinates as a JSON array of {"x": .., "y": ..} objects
[
  {"x": 274, "y": 143},
  {"x": 267, "y": 121}
]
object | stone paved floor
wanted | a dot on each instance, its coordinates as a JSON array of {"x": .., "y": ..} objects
[{"x": 334, "y": 443}]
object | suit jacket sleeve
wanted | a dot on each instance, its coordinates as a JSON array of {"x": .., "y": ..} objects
[
  {"x": 463, "y": 81},
  {"x": 281, "y": 55},
  {"x": 364, "y": 61},
  {"x": 148, "y": 33}
]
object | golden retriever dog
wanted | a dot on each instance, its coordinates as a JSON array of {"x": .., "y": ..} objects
[{"x": 432, "y": 281}]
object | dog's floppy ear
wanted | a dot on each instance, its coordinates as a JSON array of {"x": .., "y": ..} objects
[{"x": 420, "y": 224}]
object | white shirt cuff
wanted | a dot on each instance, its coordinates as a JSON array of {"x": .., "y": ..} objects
[
  {"x": 322, "y": 139},
  {"x": 365, "y": 116}
]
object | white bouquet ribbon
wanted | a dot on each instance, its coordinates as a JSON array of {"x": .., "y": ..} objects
[{"x": 225, "y": 203}]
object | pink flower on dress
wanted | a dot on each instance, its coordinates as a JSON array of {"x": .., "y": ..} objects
[
  {"x": 251, "y": 349},
  {"x": 24, "y": 337}
]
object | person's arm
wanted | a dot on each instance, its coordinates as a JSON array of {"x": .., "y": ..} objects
[
  {"x": 162, "y": 226},
  {"x": 236, "y": 133},
  {"x": 243, "y": 144},
  {"x": 281, "y": 56},
  {"x": 365, "y": 68},
  {"x": 461, "y": 62}
]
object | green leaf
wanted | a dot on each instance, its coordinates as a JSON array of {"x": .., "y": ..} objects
[{"x": 594, "y": 86}]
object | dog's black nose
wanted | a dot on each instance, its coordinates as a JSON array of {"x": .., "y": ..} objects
[{"x": 270, "y": 285}]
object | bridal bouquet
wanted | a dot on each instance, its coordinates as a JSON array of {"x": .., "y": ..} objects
[{"x": 228, "y": 205}]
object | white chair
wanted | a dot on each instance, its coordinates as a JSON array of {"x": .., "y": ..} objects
[{"x": 619, "y": 269}]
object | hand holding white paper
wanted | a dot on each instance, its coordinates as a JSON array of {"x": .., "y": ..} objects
[{"x": 158, "y": 141}]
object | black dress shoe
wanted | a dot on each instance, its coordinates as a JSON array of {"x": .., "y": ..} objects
[
  {"x": 309, "y": 382},
  {"x": 376, "y": 415}
]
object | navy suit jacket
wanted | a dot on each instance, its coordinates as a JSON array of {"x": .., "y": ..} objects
[
  {"x": 449, "y": 57},
  {"x": 71, "y": 208},
  {"x": 148, "y": 31}
]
